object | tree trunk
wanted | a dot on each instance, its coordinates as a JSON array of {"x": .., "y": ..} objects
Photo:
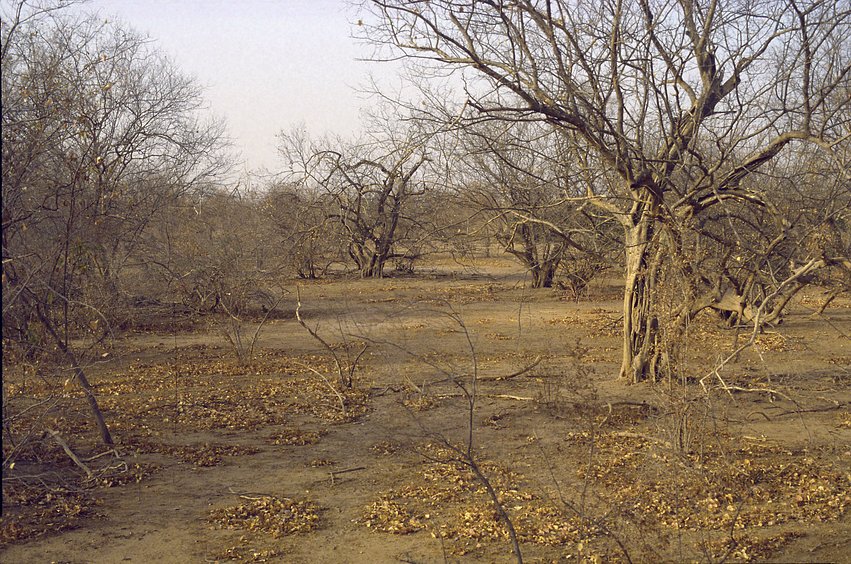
[
  {"x": 106, "y": 436},
  {"x": 543, "y": 274},
  {"x": 374, "y": 267},
  {"x": 832, "y": 295},
  {"x": 642, "y": 353}
]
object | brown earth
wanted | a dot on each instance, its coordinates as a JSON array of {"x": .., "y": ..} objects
[{"x": 266, "y": 462}]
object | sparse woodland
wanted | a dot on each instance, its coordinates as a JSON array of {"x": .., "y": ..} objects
[{"x": 584, "y": 296}]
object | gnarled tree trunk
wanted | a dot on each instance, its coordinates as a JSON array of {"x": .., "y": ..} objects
[{"x": 643, "y": 354}]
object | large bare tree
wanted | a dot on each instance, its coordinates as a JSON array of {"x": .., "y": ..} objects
[
  {"x": 679, "y": 102},
  {"x": 309, "y": 241},
  {"x": 370, "y": 188},
  {"x": 516, "y": 175}
]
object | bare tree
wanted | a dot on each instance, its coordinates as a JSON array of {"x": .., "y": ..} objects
[
  {"x": 678, "y": 103},
  {"x": 307, "y": 239},
  {"x": 370, "y": 187},
  {"x": 517, "y": 176},
  {"x": 100, "y": 132}
]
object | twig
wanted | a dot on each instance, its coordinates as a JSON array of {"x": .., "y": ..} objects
[
  {"x": 729, "y": 389},
  {"x": 255, "y": 496},
  {"x": 110, "y": 451},
  {"x": 344, "y": 379},
  {"x": 835, "y": 406},
  {"x": 524, "y": 370},
  {"x": 508, "y": 396},
  {"x": 340, "y": 397},
  {"x": 492, "y": 396},
  {"x": 55, "y": 436},
  {"x": 335, "y": 473}
]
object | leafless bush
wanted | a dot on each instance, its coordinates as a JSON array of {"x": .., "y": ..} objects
[
  {"x": 100, "y": 134},
  {"x": 347, "y": 363},
  {"x": 234, "y": 323},
  {"x": 308, "y": 240},
  {"x": 367, "y": 190}
]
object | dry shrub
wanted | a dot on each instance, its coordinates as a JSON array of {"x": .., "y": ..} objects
[{"x": 570, "y": 390}]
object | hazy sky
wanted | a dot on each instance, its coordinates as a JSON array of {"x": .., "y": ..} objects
[{"x": 267, "y": 65}]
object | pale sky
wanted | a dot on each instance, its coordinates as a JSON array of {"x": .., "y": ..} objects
[{"x": 266, "y": 65}]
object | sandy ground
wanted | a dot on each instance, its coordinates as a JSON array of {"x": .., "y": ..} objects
[{"x": 587, "y": 467}]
